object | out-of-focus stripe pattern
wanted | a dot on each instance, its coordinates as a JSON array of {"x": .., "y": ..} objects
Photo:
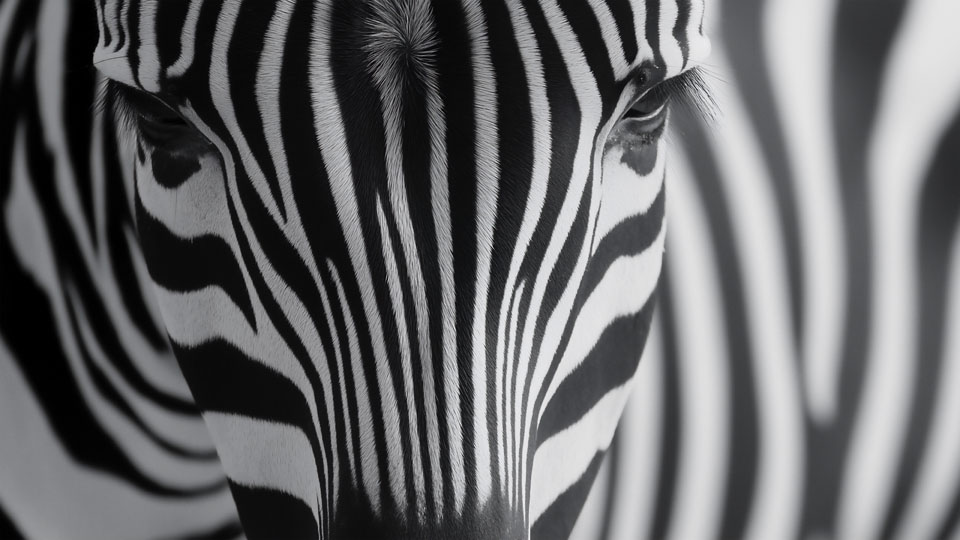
[{"x": 803, "y": 372}]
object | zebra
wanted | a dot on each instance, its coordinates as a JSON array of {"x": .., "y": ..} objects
[
  {"x": 801, "y": 374},
  {"x": 697, "y": 454},
  {"x": 352, "y": 269}
]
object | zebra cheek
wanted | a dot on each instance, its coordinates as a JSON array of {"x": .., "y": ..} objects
[{"x": 638, "y": 148}]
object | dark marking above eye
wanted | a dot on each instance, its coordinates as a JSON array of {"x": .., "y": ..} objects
[{"x": 172, "y": 170}]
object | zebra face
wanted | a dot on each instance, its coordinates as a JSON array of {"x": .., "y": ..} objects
[{"x": 405, "y": 251}]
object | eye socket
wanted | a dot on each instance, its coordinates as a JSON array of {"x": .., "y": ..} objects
[
  {"x": 648, "y": 107},
  {"x": 157, "y": 124},
  {"x": 645, "y": 120}
]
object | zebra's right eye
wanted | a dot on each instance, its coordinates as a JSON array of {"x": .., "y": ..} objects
[{"x": 647, "y": 118}]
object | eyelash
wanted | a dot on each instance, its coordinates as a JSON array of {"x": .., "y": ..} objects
[
  {"x": 121, "y": 101},
  {"x": 689, "y": 91},
  {"x": 109, "y": 99}
]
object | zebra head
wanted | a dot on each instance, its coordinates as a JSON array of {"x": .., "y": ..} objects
[{"x": 405, "y": 250}]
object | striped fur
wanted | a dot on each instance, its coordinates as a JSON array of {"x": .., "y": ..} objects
[
  {"x": 801, "y": 375},
  {"x": 404, "y": 253}
]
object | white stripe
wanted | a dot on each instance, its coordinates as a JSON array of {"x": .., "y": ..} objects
[
  {"x": 669, "y": 47},
  {"x": 532, "y": 210},
  {"x": 147, "y": 55},
  {"x": 187, "y": 41},
  {"x": 611, "y": 38},
  {"x": 487, "y": 167},
  {"x": 263, "y": 454},
  {"x": 49, "y": 495},
  {"x": 32, "y": 247},
  {"x": 562, "y": 459},
  {"x": 370, "y": 471},
  {"x": 332, "y": 140},
  {"x": 624, "y": 289},
  {"x": 754, "y": 223},
  {"x": 912, "y": 115},
  {"x": 939, "y": 472},
  {"x": 388, "y": 80},
  {"x": 639, "y": 435},
  {"x": 702, "y": 361},
  {"x": 801, "y": 81},
  {"x": 440, "y": 197},
  {"x": 183, "y": 430},
  {"x": 626, "y": 194},
  {"x": 399, "y": 318},
  {"x": 587, "y": 155},
  {"x": 7, "y": 9},
  {"x": 589, "y": 523}
]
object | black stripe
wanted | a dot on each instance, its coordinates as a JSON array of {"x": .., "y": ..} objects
[
  {"x": 939, "y": 216},
  {"x": 744, "y": 448},
  {"x": 8, "y": 529},
  {"x": 583, "y": 21},
  {"x": 245, "y": 50},
  {"x": 170, "y": 15},
  {"x": 565, "y": 124},
  {"x": 743, "y": 34},
  {"x": 225, "y": 379},
  {"x": 558, "y": 520},
  {"x": 611, "y": 363},
  {"x": 652, "y": 31},
  {"x": 322, "y": 229},
  {"x": 610, "y": 506},
  {"x": 46, "y": 369},
  {"x": 230, "y": 530},
  {"x": 266, "y": 513},
  {"x": 417, "y": 157},
  {"x": 120, "y": 227},
  {"x": 191, "y": 264},
  {"x": 680, "y": 29},
  {"x": 77, "y": 118},
  {"x": 623, "y": 16},
  {"x": 631, "y": 237},
  {"x": 133, "y": 29},
  {"x": 671, "y": 419},
  {"x": 950, "y": 522},
  {"x": 365, "y": 132},
  {"x": 112, "y": 395},
  {"x": 456, "y": 89},
  {"x": 287, "y": 333},
  {"x": 862, "y": 39},
  {"x": 70, "y": 261},
  {"x": 515, "y": 157}
]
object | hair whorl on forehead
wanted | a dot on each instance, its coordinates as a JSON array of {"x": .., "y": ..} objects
[{"x": 400, "y": 41}]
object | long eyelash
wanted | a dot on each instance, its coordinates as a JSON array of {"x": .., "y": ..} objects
[
  {"x": 691, "y": 91},
  {"x": 110, "y": 99}
]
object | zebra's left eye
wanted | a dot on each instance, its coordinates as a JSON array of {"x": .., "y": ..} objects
[{"x": 157, "y": 125}]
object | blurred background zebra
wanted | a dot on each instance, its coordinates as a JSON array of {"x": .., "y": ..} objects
[{"x": 801, "y": 376}]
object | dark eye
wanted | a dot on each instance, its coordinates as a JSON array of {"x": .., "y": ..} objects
[
  {"x": 651, "y": 105},
  {"x": 646, "y": 118},
  {"x": 157, "y": 124}
]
